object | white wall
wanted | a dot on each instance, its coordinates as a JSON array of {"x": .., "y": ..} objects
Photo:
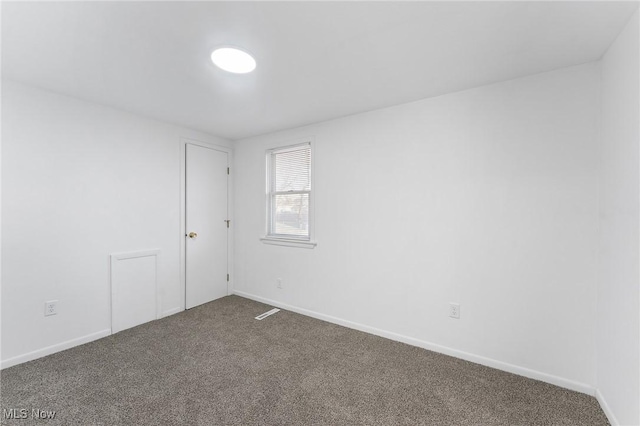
[
  {"x": 486, "y": 197},
  {"x": 619, "y": 276},
  {"x": 80, "y": 181}
]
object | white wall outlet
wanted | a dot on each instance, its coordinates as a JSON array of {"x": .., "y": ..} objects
[
  {"x": 279, "y": 282},
  {"x": 454, "y": 310},
  {"x": 50, "y": 308}
]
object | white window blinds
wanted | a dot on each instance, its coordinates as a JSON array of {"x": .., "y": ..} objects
[{"x": 289, "y": 192}]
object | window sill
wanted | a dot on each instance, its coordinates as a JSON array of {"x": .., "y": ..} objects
[{"x": 289, "y": 243}]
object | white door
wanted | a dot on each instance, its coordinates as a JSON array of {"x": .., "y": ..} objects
[{"x": 206, "y": 224}]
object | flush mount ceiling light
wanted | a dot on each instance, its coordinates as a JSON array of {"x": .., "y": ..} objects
[{"x": 233, "y": 60}]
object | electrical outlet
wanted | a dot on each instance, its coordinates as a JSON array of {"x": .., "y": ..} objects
[
  {"x": 50, "y": 308},
  {"x": 279, "y": 283},
  {"x": 454, "y": 310}
]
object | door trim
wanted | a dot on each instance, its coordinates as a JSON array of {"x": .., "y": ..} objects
[{"x": 183, "y": 170}]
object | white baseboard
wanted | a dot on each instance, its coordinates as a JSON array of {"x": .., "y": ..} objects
[
  {"x": 39, "y": 353},
  {"x": 171, "y": 311},
  {"x": 499, "y": 365},
  {"x": 607, "y": 410},
  {"x": 53, "y": 349}
]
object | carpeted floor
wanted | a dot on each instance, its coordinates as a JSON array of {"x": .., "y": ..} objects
[{"x": 216, "y": 365}]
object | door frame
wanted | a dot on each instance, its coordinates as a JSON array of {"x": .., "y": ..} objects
[{"x": 183, "y": 181}]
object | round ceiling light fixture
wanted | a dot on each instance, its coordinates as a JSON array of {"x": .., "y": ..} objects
[{"x": 232, "y": 59}]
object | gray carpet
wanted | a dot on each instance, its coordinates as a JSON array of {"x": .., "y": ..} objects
[{"x": 216, "y": 365}]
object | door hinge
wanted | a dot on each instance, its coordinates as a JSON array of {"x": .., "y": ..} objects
[
  {"x": 227, "y": 170},
  {"x": 227, "y": 277}
]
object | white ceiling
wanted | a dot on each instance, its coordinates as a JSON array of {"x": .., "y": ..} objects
[{"x": 316, "y": 60}]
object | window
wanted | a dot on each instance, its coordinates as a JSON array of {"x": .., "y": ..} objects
[{"x": 289, "y": 196}]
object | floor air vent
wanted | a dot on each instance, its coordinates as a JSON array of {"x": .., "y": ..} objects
[{"x": 266, "y": 314}]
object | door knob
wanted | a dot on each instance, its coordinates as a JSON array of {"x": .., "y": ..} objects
[{"x": 192, "y": 235}]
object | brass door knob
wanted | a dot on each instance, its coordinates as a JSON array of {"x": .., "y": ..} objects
[{"x": 192, "y": 235}]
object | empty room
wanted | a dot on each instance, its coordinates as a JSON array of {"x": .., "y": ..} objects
[{"x": 320, "y": 213}]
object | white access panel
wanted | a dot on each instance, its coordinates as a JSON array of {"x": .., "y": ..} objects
[{"x": 134, "y": 292}]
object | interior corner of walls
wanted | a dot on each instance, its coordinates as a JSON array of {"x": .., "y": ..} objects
[{"x": 607, "y": 410}]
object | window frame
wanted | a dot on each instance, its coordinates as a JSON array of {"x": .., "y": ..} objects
[{"x": 283, "y": 239}]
